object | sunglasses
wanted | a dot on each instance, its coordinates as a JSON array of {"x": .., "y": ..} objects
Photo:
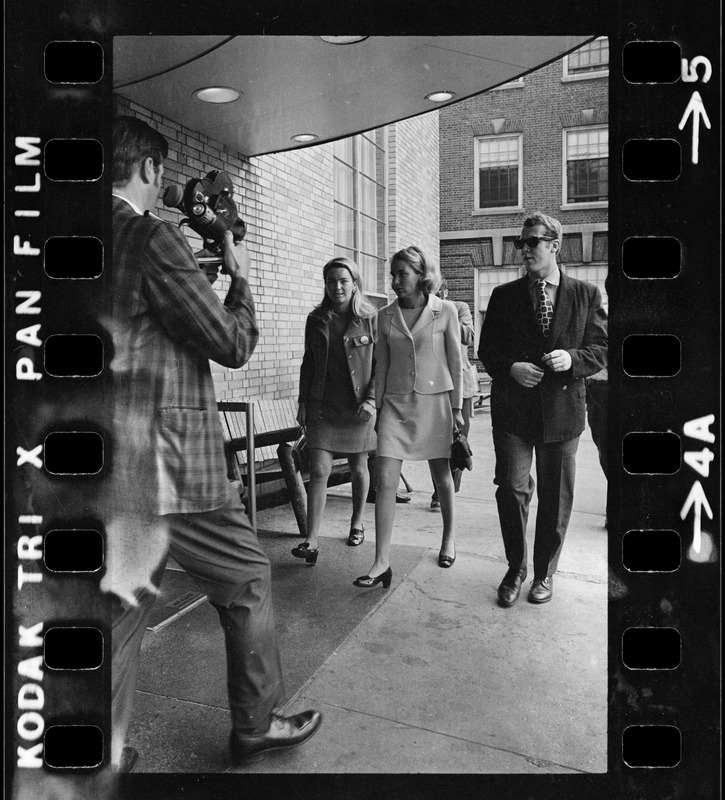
[{"x": 532, "y": 241}]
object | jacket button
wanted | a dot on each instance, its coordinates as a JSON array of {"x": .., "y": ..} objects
[
  {"x": 564, "y": 387},
  {"x": 352, "y": 371},
  {"x": 350, "y": 356}
]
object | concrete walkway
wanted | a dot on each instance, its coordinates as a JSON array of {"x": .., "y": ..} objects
[{"x": 429, "y": 676}]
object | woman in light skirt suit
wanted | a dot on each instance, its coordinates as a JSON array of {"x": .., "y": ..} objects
[
  {"x": 337, "y": 396},
  {"x": 418, "y": 391}
]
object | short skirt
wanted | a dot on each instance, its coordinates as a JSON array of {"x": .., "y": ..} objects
[
  {"x": 338, "y": 431},
  {"x": 416, "y": 427}
]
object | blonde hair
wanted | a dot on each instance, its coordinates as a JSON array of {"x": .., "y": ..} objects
[
  {"x": 417, "y": 260},
  {"x": 359, "y": 304},
  {"x": 552, "y": 225}
]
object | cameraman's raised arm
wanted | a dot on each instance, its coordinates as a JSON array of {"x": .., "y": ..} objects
[{"x": 186, "y": 305}]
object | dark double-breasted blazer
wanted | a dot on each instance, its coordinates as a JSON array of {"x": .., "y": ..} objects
[{"x": 555, "y": 409}]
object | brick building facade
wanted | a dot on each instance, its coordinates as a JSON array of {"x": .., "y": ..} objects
[
  {"x": 298, "y": 216},
  {"x": 539, "y": 142}
]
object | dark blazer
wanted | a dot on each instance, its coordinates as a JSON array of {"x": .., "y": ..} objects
[
  {"x": 359, "y": 342},
  {"x": 555, "y": 409}
]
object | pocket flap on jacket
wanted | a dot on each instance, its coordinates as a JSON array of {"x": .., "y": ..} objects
[{"x": 362, "y": 340}]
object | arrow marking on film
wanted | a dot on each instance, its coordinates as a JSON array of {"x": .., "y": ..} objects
[
  {"x": 696, "y": 499},
  {"x": 697, "y": 108}
]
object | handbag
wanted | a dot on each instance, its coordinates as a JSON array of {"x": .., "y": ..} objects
[
  {"x": 300, "y": 455},
  {"x": 461, "y": 453}
]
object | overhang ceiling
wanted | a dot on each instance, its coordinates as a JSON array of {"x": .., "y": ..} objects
[{"x": 293, "y": 85}]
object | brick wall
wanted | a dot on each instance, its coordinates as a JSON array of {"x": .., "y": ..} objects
[
  {"x": 413, "y": 197},
  {"x": 540, "y": 110},
  {"x": 286, "y": 200}
]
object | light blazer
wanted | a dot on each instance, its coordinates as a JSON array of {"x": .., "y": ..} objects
[
  {"x": 554, "y": 410},
  {"x": 359, "y": 342},
  {"x": 426, "y": 360}
]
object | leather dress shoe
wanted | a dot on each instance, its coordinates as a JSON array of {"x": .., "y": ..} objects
[
  {"x": 283, "y": 732},
  {"x": 541, "y": 590},
  {"x": 510, "y": 587}
]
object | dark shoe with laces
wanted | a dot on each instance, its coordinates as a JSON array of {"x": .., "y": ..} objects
[
  {"x": 510, "y": 587},
  {"x": 541, "y": 590},
  {"x": 283, "y": 732},
  {"x": 303, "y": 551}
]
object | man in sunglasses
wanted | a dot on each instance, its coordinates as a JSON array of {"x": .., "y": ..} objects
[{"x": 543, "y": 334}]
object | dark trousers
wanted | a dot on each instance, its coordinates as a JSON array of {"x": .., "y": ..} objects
[
  {"x": 555, "y": 471},
  {"x": 220, "y": 550},
  {"x": 597, "y": 394}
]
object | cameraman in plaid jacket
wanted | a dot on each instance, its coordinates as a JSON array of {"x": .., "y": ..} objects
[{"x": 168, "y": 491}]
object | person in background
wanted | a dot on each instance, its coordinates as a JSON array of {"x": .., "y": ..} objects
[
  {"x": 542, "y": 336},
  {"x": 418, "y": 391},
  {"x": 597, "y": 412},
  {"x": 597, "y": 393},
  {"x": 470, "y": 378},
  {"x": 337, "y": 396}
]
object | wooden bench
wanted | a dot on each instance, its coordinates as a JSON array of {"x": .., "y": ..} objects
[{"x": 265, "y": 455}]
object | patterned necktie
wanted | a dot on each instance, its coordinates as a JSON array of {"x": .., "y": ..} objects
[{"x": 544, "y": 307}]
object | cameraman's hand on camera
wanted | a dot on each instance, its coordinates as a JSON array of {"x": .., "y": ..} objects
[{"x": 236, "y": 258}]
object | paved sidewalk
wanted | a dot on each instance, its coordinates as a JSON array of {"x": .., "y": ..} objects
[{"x": 429, "y": 676}]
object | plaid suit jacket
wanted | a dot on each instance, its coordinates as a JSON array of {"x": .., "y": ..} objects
[{"x": 166, "y": 323}]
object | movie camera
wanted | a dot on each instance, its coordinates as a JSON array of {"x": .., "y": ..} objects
[{"x": 210, "y": 211}]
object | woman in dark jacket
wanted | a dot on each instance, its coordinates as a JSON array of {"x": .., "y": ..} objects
[{"x": 337, "y": 396}]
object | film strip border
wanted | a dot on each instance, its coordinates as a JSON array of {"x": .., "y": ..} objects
[
  {"x": 665, "y": 360},
  {"x": 58, "y": 635},
  {"x": 664, "y": 351}
]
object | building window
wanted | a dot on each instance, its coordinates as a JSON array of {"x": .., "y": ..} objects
[
  {"x": 516, "y": 83},
  {"x": 361, "y": 204},
  {"x": 590, "y": 61},
  {"x": 498, "y": 172},
  {"x": 510, "y": 254},
  {"x": 600, "y": 246},
  {"x": 571, "y": 249},
  {"x": 586, "y": 163}
]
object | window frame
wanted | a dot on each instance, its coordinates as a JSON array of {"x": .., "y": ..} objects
[
  {"x": 584, "y": 76},
  {"x": 380, "y": 291},
  {"x": 516, "y": 83},
  {"x": 566, "y": 204},
  {"x": 477, "y": 210}
]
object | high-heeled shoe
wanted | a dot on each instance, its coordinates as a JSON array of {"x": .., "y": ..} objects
[
  {"x": 303, "y": 551},
  {"x": 366, "y": 582},
  {"x": 446, "y": 561},
  {"x": 356, "y": 536}
]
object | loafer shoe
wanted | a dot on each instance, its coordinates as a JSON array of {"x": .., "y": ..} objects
[
  {"x": 510, "y": 587},
  {"x": 283, "y": 732},
  {"x": 541, "y": 590}
]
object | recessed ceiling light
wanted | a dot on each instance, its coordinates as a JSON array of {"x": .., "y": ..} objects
[
  {"x": 217, "y": 94},
  {"x": 305, "y": 137},
  {"x": 440, "y": 97},
  {"x": 343, "y": 39}
]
